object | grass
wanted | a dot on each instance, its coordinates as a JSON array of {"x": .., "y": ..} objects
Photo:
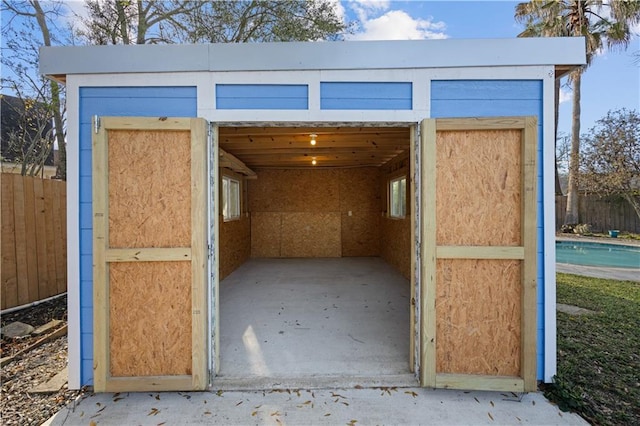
[{"x": 599, "y": 354}]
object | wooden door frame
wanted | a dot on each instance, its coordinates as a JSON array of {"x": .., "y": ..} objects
[
  {"x": 102, "y": 255},
  {"x": 431, "y": 251}
]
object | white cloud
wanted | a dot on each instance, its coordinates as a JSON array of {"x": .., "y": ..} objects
[
  {"x": 399, "y": 25},
  {"x": 565, "y": 95}
]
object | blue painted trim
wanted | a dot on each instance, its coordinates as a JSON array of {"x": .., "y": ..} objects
[
  {"x": 262, "y": 96},
  {"x": 113, "y": 101},
  {"x": 337, "y": 95},
  {"x": 491, "y": 98}
]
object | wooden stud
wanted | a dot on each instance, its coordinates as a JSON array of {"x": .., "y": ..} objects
[
  {"x": 529, "y": 232},
  {"x": 481, "y": 123},
  {"x": 483, "y": 383},
  {"x": 428, "y": 256},
  {"x": 100, "y": 272},
  {"x": 232, "y": 162},
  {"x": 414, "y": 250},
  {"x": 215, "y": 218},
  {"x": 480, "y": 252},
  {"x": 199, "y": 253},
  {"x": 147, "y": 254}
]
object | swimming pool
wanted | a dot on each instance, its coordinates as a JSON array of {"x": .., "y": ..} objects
[{"x": 597, "y": 254}]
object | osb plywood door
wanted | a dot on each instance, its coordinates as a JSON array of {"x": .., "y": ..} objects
[
  {"x": 149, "y": 248},
  {"x": 479, "y": 254}
]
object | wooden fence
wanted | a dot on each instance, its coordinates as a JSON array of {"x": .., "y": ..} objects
[
  {"x": 601, "y": 214},
  {"x": 34, "y": 239}
]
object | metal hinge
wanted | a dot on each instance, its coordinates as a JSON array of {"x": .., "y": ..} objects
[
  {"x": 419, "y": 250},
  {"x": 96, "y": 123}
]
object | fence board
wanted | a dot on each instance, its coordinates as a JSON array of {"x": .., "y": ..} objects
[
  {"x": 30, "y": 239},
  {"x": 33, "y": 239},
  {"x": 20, "y": 240},
  {"x": 9, "y": 276},
  {"x": 601, "y": 214}
]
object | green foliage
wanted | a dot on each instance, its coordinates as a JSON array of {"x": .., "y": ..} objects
[{"x": 599, "y": 354}]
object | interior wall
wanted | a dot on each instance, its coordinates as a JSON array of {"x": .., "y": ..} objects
[
  {"x": 395, "y": 233},
  {"x": 315, "y": 212},
  {"x": 235, "y": 235}
]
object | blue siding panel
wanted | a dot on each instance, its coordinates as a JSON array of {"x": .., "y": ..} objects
[
  {"x": 491, "y": 98},
  {"x": 366, "y": 95},
  {"x": 262, "y": 96},
  {"x": 113, "y": 101}
]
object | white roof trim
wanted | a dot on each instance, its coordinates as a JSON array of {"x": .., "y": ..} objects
[{"x": 312, "y": 56}]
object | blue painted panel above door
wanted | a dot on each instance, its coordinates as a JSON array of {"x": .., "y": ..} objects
[
  {"x": 262, "y": 96},
  {"x": 366, "y": 95}
]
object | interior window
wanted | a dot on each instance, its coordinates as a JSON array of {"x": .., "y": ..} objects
[
  {"x": 230, "y": 198},
  {"x": 398, "y": 197}
]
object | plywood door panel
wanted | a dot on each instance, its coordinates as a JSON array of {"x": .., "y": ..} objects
[
  {"x": 479, "y": 264},
  {"x": 149, "y": 205}
]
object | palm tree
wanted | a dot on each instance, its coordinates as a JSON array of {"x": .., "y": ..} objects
[{"x": 600, "y": 24}]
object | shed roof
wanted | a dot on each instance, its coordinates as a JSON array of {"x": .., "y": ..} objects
[{"x": 564, "y": 53}]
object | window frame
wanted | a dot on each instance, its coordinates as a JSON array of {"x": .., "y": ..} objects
[
  {"x": 402, "y": 205},
  {"x": 228, "y": 183}
]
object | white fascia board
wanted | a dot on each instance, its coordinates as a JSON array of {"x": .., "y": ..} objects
[{"x": 354, "y": 55}]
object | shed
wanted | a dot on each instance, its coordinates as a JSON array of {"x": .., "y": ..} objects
[{"x": 306, "y": 214}]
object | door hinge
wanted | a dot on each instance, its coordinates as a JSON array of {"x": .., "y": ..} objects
[{"x": 96, "y": 123}]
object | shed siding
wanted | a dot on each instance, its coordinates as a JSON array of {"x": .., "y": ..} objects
[
  {"x": 113, "y": 101},
  {"x": 366, "y": 96},
  {"x": 262, "y": 96},
  {"x": 494, "y": 98}
]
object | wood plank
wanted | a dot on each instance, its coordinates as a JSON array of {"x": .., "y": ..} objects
[
  {"x": 100, "y": 238},
  {"x": 480, "y": 252},
  {"x": 428, "y": 256},
  {"x": 414, "y": 248},
  {"x": 215, "y": 214},
  {"x": 199, "y": 310},
  {"x": 231, "y": 161},
  {"x": 52, "y": 285},
  {"x": 30, "y": 238},
  {"x": 320, "y": 131},
  {"x": 9, "y": 273},
  {"x": 480, "y": 123},
  {"x": 158, "y": 123},
  {"x": 483, "y": 383},
  {"x": 22, "y": 268},
  {"x": 41, "y": 235},
  {"x": 302, "y": 141},
  {"x": 147, "y": 254},
  {"x": 63, "y": 206},
  {"x": 59, "y": 237},
  {"x": 150, "y": 383},
  {"x": 529, "y": 232},
  {"x": 386, "y": 149}
]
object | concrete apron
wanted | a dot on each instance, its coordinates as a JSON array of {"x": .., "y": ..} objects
[
  {"x": 314, "y": 341},
  {"x": 407, "y": 406}
]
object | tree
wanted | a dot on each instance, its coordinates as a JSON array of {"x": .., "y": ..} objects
[
  {"x": 29, "y": 27},
  {"x": 611, "y": 158},
  {"x": 27, "y": 133},
  {"x": 575, "y": 18},
  {"x": 182, "y": 21}
]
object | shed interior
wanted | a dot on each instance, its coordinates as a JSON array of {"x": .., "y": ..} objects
[{"x": 308, "y": 195}]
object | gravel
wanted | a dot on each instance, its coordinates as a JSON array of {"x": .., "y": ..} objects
[{"x": 38, "y": 365}]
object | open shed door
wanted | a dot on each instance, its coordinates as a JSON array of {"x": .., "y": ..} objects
[
  {"x": 478, "y": 303},
  {"x": 149, "y": 254}
]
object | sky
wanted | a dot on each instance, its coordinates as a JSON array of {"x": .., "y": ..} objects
[{"x": 611, "y": 82}]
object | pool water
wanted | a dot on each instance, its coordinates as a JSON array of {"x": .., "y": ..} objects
[{"x": 597, "y": 254}]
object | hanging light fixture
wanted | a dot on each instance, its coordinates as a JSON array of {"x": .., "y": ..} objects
[
  {"x": 313, "y": 137},
  {"x": 313, "y": 161}
]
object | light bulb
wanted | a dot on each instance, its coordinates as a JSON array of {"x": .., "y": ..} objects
[
  {"x": 313, "y": 139},
  {"x": 314, "y": 162}
]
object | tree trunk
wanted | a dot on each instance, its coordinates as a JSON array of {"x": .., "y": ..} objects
[
  {"x": 634, "y": 203},
  {"x": 571, "y": 216},
  {"x": 555, "y": 136},
  {"x": 61, "y": 166}
]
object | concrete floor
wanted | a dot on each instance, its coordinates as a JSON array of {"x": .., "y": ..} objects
[{"x": 314, "y": 323}]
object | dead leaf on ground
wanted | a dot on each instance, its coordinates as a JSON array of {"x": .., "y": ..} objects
[
  {"x": 490, "y": 416},
  {"x": 153, "y": 412},
  {"x": 327, "y": 415},
  {"x": 352, "y": 423},
  {"x": 477, "y": 400},
  {"x": 208, "y": 412},
  {"x": 412, "y": 393},
  {"x": 239, "y": 403},
  {"x": 492, "y": 404},
  {"x": 255, "y": 413},
  {"x": 92, "y": 423}
]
